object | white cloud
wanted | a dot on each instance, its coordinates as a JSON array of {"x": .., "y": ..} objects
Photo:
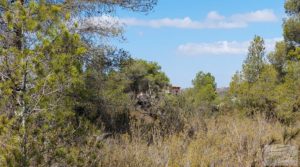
[
  {"x": 214, "y": 15},
  {"x": 265, "y": 15},
  {"x": 213, "y": 20},
  {"x": 216, "y": 48},
  {"x": 221, "y": 48},
  {"x": 185, "y": 23}
]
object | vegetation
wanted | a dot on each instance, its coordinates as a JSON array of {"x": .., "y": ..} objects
[{"x": 66, "y": 99}]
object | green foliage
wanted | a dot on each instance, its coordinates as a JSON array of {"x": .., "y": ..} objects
[
  {"x": 292, "y": 7},
  {"x": 37, "y": 72},
  {"x": 294, "y": 54},
  {"x": 262, "y": 95},
  {"x": 204, "y": 87},
  {"x": 278, "y": 58},
  {"x": 144, "y": 77},
  {"x": 111, "y": 88},
  {"x": 255, "y": 60},
  {"x": 201, "y": 97},
  {"x": 292, "y": 23},
  {"x": 43, "y": 62},
  {"x": 264, "y": 91},
  {"x": 291, "y": 30},
  {"x": 288, "y": 107}
]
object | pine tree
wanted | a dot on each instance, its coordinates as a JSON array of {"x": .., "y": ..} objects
[
  {"x": 40, "y": 61},
  {"x": 42, "y": 56},
  {"x": 292, "y": 24},
  {"x": 254, "y": 62}
]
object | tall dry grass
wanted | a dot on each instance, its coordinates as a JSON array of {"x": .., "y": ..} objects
[{"x": 219, "y": 141}]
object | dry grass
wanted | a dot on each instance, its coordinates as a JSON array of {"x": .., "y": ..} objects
[{"x": 225, "y": 141}]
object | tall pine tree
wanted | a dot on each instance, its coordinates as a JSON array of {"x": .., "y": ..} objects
[{"x": 254, "y": 62}]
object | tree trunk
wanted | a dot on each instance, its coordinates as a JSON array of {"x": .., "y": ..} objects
[{"x": 23, "y": 104}]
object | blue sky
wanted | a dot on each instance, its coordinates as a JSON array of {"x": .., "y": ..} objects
[{"x": 189, "y": 36}]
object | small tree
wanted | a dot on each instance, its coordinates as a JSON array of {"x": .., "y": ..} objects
[{"x": 205, "y": 87}]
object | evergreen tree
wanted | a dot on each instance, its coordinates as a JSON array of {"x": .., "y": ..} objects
[
  {"x": 37, "y": 70},
  {"x": 43, "y": 54},
  {"x": 291, "y": 29},
  {"x": 254, "y": 62},
  {"x": 204, "y": 87},
  {"x": 292, "y": 24},
  {"x": 279, "y": 58}
]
